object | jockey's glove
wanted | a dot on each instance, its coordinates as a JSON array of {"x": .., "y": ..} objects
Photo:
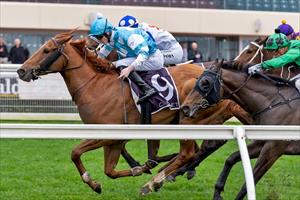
[{"x": 255, "y": 69}]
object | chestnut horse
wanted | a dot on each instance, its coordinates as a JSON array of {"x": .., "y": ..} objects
[
  {"x": 86, "y": 78},
  {"x": 267, "y": 103}
]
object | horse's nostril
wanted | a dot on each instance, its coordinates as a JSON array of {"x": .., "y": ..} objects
[{"x": 21, "y": 72}]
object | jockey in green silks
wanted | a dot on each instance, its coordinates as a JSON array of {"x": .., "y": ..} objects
[{"x": 287, "y": 53}]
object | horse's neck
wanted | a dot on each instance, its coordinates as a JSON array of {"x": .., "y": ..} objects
[
  {"x": 79, "y": 76},
  {"x": 255, "y": 95}
]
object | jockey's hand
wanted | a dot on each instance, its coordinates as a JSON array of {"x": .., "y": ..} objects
[
  {"x": 255, "y": 69},
  {"x": 126, "y": 71}
]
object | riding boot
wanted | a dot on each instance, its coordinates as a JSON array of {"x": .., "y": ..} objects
[{"x": 146, "y": 90}]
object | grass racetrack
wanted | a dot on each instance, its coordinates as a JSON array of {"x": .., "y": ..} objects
[{"x": 42, "y": 169}]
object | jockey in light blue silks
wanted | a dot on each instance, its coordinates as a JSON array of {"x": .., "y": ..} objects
[
  {"x": 165, "y": 41},
  {"x": 137, "y": 51}
]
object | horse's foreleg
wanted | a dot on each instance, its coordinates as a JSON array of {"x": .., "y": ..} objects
[
  {"x": 84, "y": 146},
  {"x": 270, "y": 152},
  {"x": 253, "y": 149},
  {"x": 111, "y": 157},
  {"x": 187, "y": 152},
  {"x": 207, "y": 148}
]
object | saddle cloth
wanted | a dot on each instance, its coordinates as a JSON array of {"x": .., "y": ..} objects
[{"x": 163, "y": 83}]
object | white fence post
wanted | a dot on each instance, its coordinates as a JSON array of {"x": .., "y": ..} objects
[{"x": 241, "y": 136}]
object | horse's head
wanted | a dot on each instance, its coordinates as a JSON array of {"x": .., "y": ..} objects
[
  {"x": 49, "y": 58},
  {"x": 253, "y": 53},
  {"x": 207, "y": 91}
]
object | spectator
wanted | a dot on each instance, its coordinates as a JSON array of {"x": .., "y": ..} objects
[
  {"x": 184, "y": 46},
  {"x": 194, "y": 54},
  {"x": 3, "y": 51},
  {"x": 18, "y": 54}
]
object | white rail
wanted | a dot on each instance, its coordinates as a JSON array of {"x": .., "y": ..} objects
[{"x": 219, "y": 132}]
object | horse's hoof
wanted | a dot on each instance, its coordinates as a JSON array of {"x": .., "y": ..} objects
[
  {"x": 171, "y": 178},
  {"x": 137, "y": 171},
  {"x": 97, "y": 188},
  {"x": 145, "y": 190},
  {"x": 190, "y": 174}
]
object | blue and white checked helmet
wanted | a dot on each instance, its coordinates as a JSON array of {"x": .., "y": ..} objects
[{"x": 129, "y": 21}]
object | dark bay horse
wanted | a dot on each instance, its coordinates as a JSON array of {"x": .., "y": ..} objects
[
  {"x": 252, "y": 54},
  {"x": 268, "y": 104},
  {"x": 97, "y": 93}
]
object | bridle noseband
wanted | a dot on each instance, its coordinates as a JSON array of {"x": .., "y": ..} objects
[
  {"x": 258, "y": 51},
  {"x": 50, "y": 59}
]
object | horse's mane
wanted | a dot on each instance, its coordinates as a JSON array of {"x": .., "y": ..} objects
[
  {"x": 101, "y": 65},
  {"x": 66, "y": 36}
]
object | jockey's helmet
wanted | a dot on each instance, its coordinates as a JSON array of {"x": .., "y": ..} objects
[
  {"x": 100, "y": 26},
  {"x": 129, "y": 21},
  {"x": 285, "y": 28},
  {"x": 277, "y": 41}
]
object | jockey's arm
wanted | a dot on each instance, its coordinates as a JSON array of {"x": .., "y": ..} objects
[
  {"x": 292, "y": 55},
  {"x": 104, "y": 51},
  {"x": 138, "y": 44}
]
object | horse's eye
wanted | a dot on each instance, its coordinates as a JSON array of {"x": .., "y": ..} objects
[
  {"x": 204, "y": 82},
  {"x": 46, "y": 50},
  {"x": 249, "y": 51}
]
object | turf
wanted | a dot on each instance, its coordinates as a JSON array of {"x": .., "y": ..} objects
[{"x": 42, "y": 169}]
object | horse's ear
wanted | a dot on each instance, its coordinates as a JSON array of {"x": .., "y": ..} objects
[
  {"x": 73, "y": 30},
  {"x": 70, "y": 34},
  {"x": 222, "y": 61},
  {"x": 220, "y": 64},
  {"x": 66, "y": 36}
]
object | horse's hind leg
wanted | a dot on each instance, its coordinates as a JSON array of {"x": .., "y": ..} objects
[
  {"x": 84, "y": 146},
  {"x": 253, "y": 149},
  {"x": 111, "y": 158},
  {"x": 270, "y": 152}
]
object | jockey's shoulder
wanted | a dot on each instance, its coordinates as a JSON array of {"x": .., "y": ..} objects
[{"x": 295, "y": 44}]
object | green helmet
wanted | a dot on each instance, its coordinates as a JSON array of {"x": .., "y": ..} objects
[{"x": 277, "y": 41}]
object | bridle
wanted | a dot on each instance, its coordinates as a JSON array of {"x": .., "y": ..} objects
[
  {"x": 258, "y": 51},
  {"x": 50, "y": 59},
  {"x": 218, "y": 79},
  {"x": 44, "y": 66},
  {"x": 210, "y": 95}
]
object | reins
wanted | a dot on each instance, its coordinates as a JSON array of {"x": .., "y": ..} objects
[
  {"x": 287, "y": 101},
  {"x": 86, "y": 82},
  {"x": 231, "y": 93},
  {"x": 276, "y": 83},
  {"x": 48, "y": 61}
]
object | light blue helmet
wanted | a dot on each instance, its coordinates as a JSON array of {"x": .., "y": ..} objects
[
  {"x": 129, "y": 21},
  {"x": 100, "y": 26}
]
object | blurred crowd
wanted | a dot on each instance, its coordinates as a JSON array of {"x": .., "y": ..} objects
[
  {"x": 191, "y": 52},
  {"x": 17, "y": 54}
]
